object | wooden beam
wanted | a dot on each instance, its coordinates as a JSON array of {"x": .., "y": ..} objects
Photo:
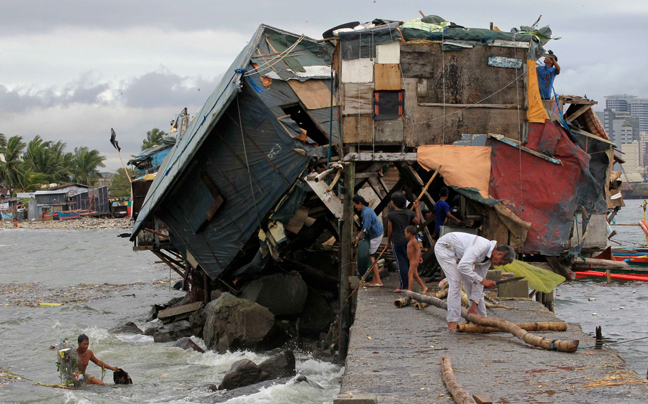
[
  {"x": 385, "y": 201},
  {"x": 467, "y": 106},
  {"x": 510, "y": 142},
  {"x": 346, "y": 258},
  {"x": 380, "y": 157},
  {"x": 367, "y": 175},
  {"x": 578, "y": 113}
]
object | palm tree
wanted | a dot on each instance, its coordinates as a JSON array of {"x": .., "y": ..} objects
[
  {"x": 153, "y": 138},
  {"x": 48, "y": 158},
  {"x": 85, "y": 163},
  {"x": 12, "y": 169}
]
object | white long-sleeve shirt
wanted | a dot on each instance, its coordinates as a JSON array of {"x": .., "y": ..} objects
[{"x": 470, "y": 250}]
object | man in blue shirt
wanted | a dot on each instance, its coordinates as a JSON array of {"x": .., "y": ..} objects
[
  {"x": 442, "y": 211},
  {"x": 546, "y": 75},
  {"x": 374, "y": 229}
]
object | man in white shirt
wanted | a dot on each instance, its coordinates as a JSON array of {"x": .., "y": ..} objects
[{"x": 466, "y": 258}]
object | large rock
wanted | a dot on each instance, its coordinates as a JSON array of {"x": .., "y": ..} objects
[
  {"x": 128, "y": 328},
  {"x": 233, "y": 323},
  {"x": 172, "y": 332},
  {"x": 242, "y": 373},
  {"x": 197, "y": 321},
  {"x": 187, "y": 344},
  {"x": 223, "y": 396},
  {"x": 279, "y": 365},
  {"x": 176, "y": 301},
  {"x": 317, "y": 316},
  {"x": 282, "y": 294}
]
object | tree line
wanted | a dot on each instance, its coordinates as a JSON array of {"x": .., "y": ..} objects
[{"x": 27, "y": 166}]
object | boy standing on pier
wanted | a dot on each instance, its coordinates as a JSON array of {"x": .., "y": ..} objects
[{"x": 414, "y": 256}]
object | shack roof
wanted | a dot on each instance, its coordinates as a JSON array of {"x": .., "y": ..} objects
[{"x": 188, "y": 143}]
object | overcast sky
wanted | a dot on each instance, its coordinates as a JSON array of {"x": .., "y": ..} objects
[{"x": 71, "y": 70}]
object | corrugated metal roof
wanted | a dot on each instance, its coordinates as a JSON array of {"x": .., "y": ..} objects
[{"x": 193, "y": 137}]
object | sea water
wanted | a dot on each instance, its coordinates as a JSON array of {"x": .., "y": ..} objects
[
  {"x": 102, "y": 283},
  {"x": 620, "y": 308}
]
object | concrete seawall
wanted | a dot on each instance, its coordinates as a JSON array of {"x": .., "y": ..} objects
[{"x": 395, "y": 357}]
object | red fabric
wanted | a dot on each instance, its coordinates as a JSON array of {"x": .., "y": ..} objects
[{"x": 537, "y": 190}]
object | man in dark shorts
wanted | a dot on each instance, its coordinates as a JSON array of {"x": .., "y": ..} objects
[
  {"x": 397, "y": 221},
  {"x": 84, "y": 356}
]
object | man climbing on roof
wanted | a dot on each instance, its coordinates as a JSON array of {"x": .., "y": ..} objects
[
  {"x": 546, "y": 75},
  {"x": 465, "y": 258}
]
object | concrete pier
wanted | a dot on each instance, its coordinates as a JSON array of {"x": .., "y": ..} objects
[{"x": 395, "y": 354}]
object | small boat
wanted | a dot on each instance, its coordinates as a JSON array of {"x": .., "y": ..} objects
[{"x": 75, "y": 214}]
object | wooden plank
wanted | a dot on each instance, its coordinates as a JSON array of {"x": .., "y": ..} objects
[
  {"x": 143, "y": 248},
  {"x": 314, "y": 94},
  {"x": 467, "y": 106},
  {"x": 387, "y": 77},
  {"x": 346, "y": 259},
  {"x": 179, "y": 310},
  {"x": 329, "y": 198},
  {"x": 380, "y": 157},
  {"x": 357, "y": 98},
  {"x": 357, "y": 129}
]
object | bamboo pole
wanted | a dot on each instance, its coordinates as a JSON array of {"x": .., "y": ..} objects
[
  {"x": 402, "y": 302},
  {"x": 547, "y": 326},
  {"x": 459, "y": 394},
  {"x": 420, "y": 305},
  {"x": 498, "y": 306},
  {"x": 535, "y": 340},
  {"x": 425, "y": 188}
]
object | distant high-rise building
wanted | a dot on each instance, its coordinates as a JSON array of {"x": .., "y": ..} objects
[
  {"x": 619, "y": 102},
  {"x": 638, "y": 108},
  {"x": 621, "y": 127}
]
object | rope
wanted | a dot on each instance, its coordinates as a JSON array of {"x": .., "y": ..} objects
[
  {"x": 279, "y": 58},
  {"x": 247, "y": 163}
]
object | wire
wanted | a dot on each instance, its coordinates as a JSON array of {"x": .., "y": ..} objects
[
  {"x": 478, "y": 102},
  {"x": 279, "y": 58}
]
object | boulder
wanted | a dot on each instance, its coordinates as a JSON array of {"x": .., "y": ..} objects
[
  {"x": 150, "y": 331},
  {"x": 224, "y": 396},
  {"x": 242, "y": 373},
  {"x": 128, "y": 328},
  {"x": 317, "y": 316},
  {"x": 282, "y": 294},
  {"x": 197, "y": 321},
  {"x": 187, "y": 343},
  {"x": 279, "y": 365},
  {"x": 233, "y": 323},
  {"x": 172, "y": 332}
]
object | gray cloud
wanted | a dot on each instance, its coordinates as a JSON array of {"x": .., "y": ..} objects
[
  {"x": 163, "y": 88},
  {"x": 150, "y": 90}
]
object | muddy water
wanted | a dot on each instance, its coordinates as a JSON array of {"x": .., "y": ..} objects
[{"x": 100, "y": 282}]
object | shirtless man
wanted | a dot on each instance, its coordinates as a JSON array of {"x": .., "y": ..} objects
[
  {"x": 414, "y": 256},
  {"x": 85, "y": 356}
]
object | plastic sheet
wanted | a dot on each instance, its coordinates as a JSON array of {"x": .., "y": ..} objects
[{"x": 539, "y": 279}]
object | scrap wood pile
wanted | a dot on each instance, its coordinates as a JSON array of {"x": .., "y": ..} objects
[{"x": 489, "y": 322}]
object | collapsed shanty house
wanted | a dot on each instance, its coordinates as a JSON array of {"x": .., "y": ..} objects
[{"x": 269, "y": 165}]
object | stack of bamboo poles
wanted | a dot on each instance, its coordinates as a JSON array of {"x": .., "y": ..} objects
[{"x": 489, "y": 322}]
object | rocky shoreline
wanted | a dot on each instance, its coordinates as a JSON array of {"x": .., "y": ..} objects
[
  {"x": 276, "y": 314},
  {"x": 86, "y": 223}
]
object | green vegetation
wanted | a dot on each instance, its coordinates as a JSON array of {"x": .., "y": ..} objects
[
  {"x": 120, "y": 186},
  {"x": 153, "y": 138},
  {"x": 28, "y": 166}
]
